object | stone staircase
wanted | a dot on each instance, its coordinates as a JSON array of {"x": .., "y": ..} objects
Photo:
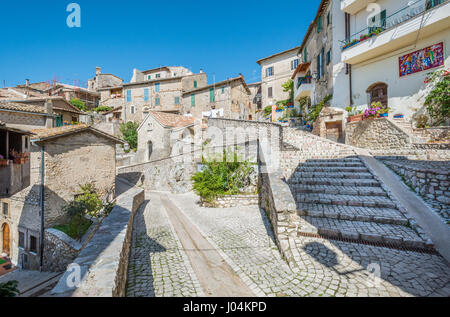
[
  {"x": 407, "y": 127},
  {"x": 342, "y": 199}
]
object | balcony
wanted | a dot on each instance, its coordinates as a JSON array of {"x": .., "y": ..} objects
[
  {"x": 304, "y": 87},
  {"x": 397, "y": 31},
  {"x": 354, "y": 6},
  {"x": 14, "y": 178}
]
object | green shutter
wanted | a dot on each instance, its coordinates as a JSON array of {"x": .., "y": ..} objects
[
  {"x": 192, "y": 100},
  {"x": 211, "y": 95},
  {"x": 195, "y": 84},
  {"x": 305, "y": 55},
  {"x": 319, "y": 24}
]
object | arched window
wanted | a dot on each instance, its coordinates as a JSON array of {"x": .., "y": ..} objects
[
  {"x": 378, "y": 92},
  {"x": 150, "y": 149},
  {"x": 6, "y": 238}
]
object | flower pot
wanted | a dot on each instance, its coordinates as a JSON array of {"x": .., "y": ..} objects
[
  {"x": 383, "y": 115},
  {"x": 19, "y": 161},
  {"x": 356, "y": 118},
  {"x": 4, "y": 162}
]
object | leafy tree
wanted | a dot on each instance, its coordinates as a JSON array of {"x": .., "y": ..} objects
[
  {"x": 79, "y": 104},
  {"x": 9, "y": 289},
  {"x": 103, "y": 109},
  {"x": 438, "y": 100},
  {"x": 129, "y": 132}
]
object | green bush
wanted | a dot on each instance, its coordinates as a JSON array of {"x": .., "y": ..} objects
[
  {"x": 130, "y": 135},
  {"x": 221, "y": 178},
  {"x": 9, "y": 289},
  {"x": 103, "y": 109},
  {"x": 317, "y": 109},
  {"x": 79, "y": 104},
  {"x": 438, "y": 100}
]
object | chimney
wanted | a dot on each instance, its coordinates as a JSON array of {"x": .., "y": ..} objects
[
  {"x": 98, "y": 70},
  {"x": 201, "y": 71},
  {"x": 27, "y": 82},
  {"x": 49, "y": 111}
]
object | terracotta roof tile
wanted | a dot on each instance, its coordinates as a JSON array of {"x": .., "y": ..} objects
[
  {"x": 50, "y": 133},
  {"x": 22, "y": 107},
  {"x": 172, "y": 120}
]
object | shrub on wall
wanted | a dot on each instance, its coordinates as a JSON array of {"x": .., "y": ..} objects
[
  {"x": 438, "y": 100},
  {"x": 222, "y": 178},
  {"x": 317, "y": 109},
  {"x": 79, "y": 104}
]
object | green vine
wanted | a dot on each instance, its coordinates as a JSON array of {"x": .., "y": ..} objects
[{"x": 438, "y": 100}]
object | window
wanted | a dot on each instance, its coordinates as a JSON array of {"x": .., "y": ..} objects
[
  {"x": 21, "y": 240},
  {"x": 294, "y": 64},
  {"x": 211, "y": 95},
  {"x": 149, "y": 77},
  {"x": 319, "y": 24},
  {"x": 195, "y": 84},
  {"x": 5, "y": 209},
  {"x": 33, "y": 244},
  {"x": 269, "y": 71},
  {"x": 74, "y": 119},
  {"x": 132, "y": 110},
  {"x": 192, "y": 100},
  {"x": 158, "y": 101},
  {"x": 320, "y": 64},
  {"x": 146, "y": 98},
  {"x": 329, "y": 18},
  {"x": 305, "y": 55},
  {"x": 269, "y": 92},
  {"x": 378, "y": 21},
  {"x": 158, "y": 75},
  {"x": 223, "y": 90},
  {"x": 157, "y": 87},
  {"x": 128, "y": 95},
  {"x": 177, "y": 100},
  {"x": 329, "y": 57}
]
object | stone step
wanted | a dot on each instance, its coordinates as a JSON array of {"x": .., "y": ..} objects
[
  {"x": 343, "y": 190},
  {"x": 346, "y": 200},
  {"x": 331, "y": 169},
  {"x": 397, "y": 235},
  {"x": 367, "y": 214},
  {"x": 341, "y": 175},
  {"x": 332, "y": 164},
  {"x": 335, "y": 181}
]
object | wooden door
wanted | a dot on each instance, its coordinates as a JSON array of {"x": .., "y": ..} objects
[
  {"x": 6, "y": 238},
  {"x": 379, "y": 93}
]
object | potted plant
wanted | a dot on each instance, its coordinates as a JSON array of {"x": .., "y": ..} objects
[
  {"x": 19, "y": 158},
  {"x": 363, "y": 37},
  {"x": 372, "y": 111},
  {"x": 3, "y": 161},
  {"x": 354, "y": 115},
  {"x": 351, "y": 43},
  {"x": 383, "y": 112}
]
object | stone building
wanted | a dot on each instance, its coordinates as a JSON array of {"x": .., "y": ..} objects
[
  {"x": 321, "y": 71},
  {"x": 256, "y": 100},
  {"x": 228, "y": 99},
  {"x": 71, "y": 156},
  {"x": 159, "y": 132},
  {"x": 275, "y": 71},
  {"x": 35, "y": 113},
  {"x": 159, "y": 89},
  {"x": 110, "y": 88}
]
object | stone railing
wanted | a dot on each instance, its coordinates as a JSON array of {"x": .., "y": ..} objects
[
  {"x": 59, "y": 251},
  {"x": 275, "y": 197},
  {"x": 232, "y": 201},
  {"x": 101, "y": 267}
]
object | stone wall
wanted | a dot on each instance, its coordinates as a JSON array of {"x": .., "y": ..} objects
[
  {"x": 103, "y": 263},
  {"x": 431, "y": 180},
  {"x": 232, "y": 201},
  {"x": 376, "y": 134},
  {"x": 60, "y": 250}
]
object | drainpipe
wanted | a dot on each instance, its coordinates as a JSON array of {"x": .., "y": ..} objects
[{"x": 350, "y": 83}]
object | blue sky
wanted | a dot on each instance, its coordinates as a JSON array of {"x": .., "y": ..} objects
[{"x": 224, "y": 38}]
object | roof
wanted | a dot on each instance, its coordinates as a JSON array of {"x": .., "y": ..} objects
[
  {"x": 22, "y": 107},
  {"x": 59, "y": 103},
  {"x": 42, "y": 135},
  {"x": 153, "y": 81},
  {"x": 156, "y": 69},
  {"x": 277, "y": 54},
  {"x": 224, "y": 82},
  {"x": 3, "y": 126},
  {"x": 172, "y": 120},
  {"x": 113, "y": 110},
  {"x": 302, "y": 67}
]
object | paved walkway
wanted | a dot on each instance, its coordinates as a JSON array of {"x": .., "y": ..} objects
[{"x": 242, "y": 237}]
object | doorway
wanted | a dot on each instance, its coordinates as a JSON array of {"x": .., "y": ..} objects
[
  {"x": 6, "y": 239},
  {"x": 378, "y": 92}
]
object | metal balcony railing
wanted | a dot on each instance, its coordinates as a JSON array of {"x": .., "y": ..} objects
[
  {"x": 303, "y": 80},
  {"x": 404, "y": 14}
]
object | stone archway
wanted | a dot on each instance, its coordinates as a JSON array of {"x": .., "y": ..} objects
[
  {"x": 6, "y": 239},
  {"x": 378, "y": 92}
]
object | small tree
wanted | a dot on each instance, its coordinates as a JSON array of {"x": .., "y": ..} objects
[
  {"x": 9, "y": 289},
  {"x": 79, "y": 104},
  {"x": 130, "y": 135},
  {"x": 438, "y": 100}
]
